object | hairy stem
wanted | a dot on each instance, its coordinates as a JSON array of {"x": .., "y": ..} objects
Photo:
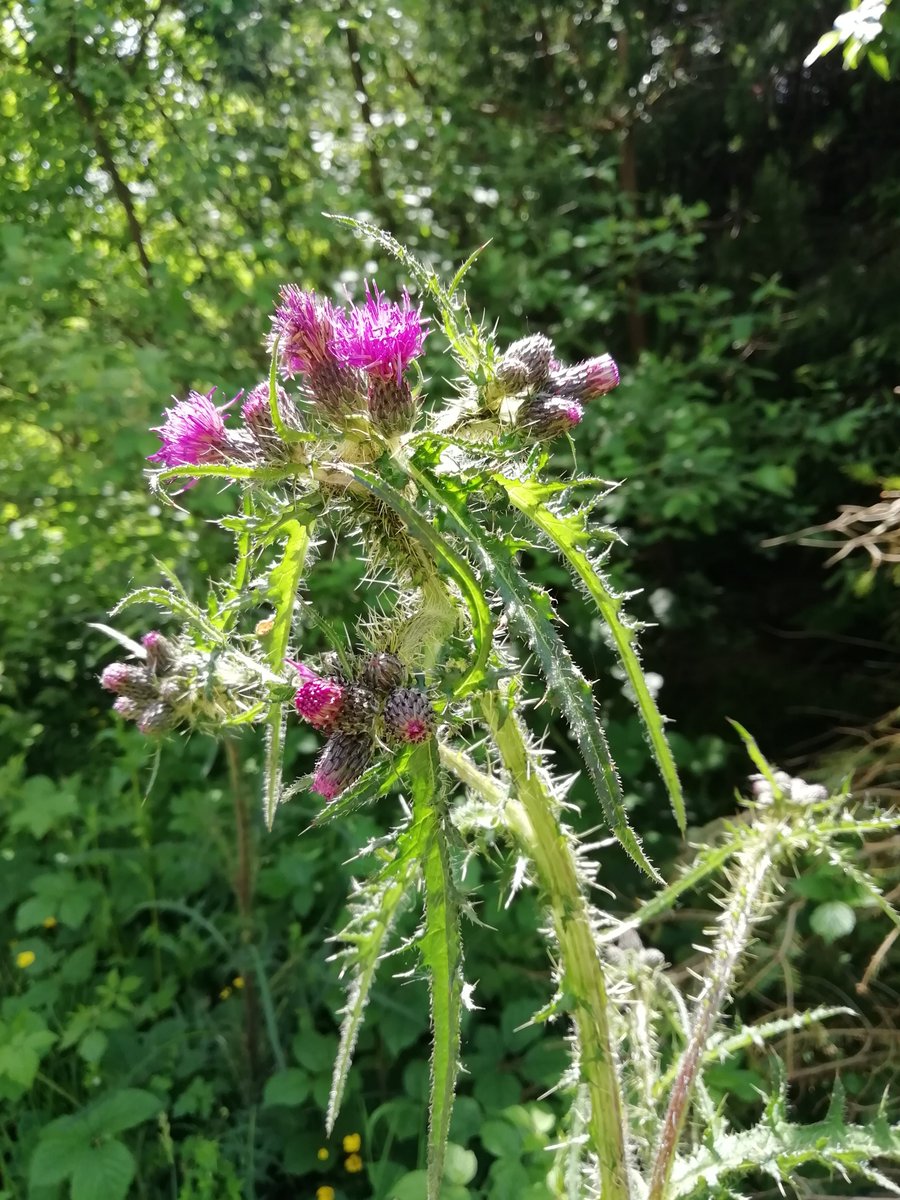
[
  {"x": 532, "y": 818},
  {"x": 748, "y": 897}
]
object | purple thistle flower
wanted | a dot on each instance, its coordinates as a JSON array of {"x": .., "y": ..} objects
[
  {"x": 319, "y": 701},
  {"x": 379, "y": 337},
  {"x": 304, "y": 324},
  {"x": 193, "y": 433},
  {"x": 257, "y": 414}
]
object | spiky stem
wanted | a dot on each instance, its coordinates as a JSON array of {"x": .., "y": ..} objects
[
  {"x": 744, "y": 908},
  {"x": 532, "y": 818}
]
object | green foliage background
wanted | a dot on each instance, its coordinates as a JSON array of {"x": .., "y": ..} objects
[{"x": 674, "y": 188}]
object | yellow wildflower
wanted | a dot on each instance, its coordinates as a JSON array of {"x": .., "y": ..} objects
[
  {"x": 225, "y": 993},
  {"x": 49, "y": 922},
  {"x": 352, "y": 1143},
  {"x": 353, "y": 1164},
  {"x": 322, "y": 1154},
  {"x": 238, "y": 982},
  {"x": 325, "y": 1193},
  {"x": 25, "y": 958}
]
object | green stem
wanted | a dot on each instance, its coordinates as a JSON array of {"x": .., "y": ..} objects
[
  {"x": 747, "y": 900},
  {"x": 533, "y": 820}
]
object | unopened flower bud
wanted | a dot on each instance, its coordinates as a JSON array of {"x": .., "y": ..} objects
[
  {"x": 126, "y": 679},
  {"x": 546, "y": 416},
  {"x": 345, "y": 757},
  {"x": 358, "y": 710},
  {"x": 383, "y": 672},
  {"x": 257, "y": 413},
  {"x": 155, "y": 719},
  {"x": 127, "y": 708},
  {"x": 338, "y": 391},
  {"x": 512, "y": 376},
  {"x": 584, "y": 381},
  {"x": 534, "y": 355},
  {"x": 408, "y": 716},
  {"x": 172, "y": 690},
  {"x": 160, "y": 652},
  {"x": 319, "y": 701},
  {"x": 391, "y": 404}
]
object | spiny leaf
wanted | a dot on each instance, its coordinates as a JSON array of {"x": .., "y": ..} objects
[
  {"x": 282, "y": 594},
  {"x": 528, "y": 610},
  {"x": 444, "y": 554},
  {"x": 781, "y": 1150},
  {"x": 174, "y": 604},
  {"x": 868, "y": 886},
  {"x": 464, "y": 269},
  {"x": 756, "y": 755},
  {"x": 708, "y": 860},
  {"x": 374, "y": 911},
  {"x": 721, "y": 1046},
  {"x": 441, "y": 947},
  {"x": 566, "y": 531}
]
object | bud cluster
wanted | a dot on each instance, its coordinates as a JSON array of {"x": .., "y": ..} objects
[
  {"x": 553, "y": 395},
  {"x": 356, "y": 712},
  {"x": 175, "y": 684},
  {"x": 141, "y": 690}
]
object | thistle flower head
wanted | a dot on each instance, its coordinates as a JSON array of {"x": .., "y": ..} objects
[
  {"x": 379, "y": 336},
  {"x": 193, "y": 433},
  {"x": 160, "y": 651},
  {"x": 128, "y": 679},
  {"x": 255, "y": 408},
  {"x": 359, "y": 707},
  {"x": 155, "y": 719},
  {"x": 304, "y": 324},
  {"x": 546, "y": 416},
  {"x": 584, "y": 381},
  {"x": 531, "y": 355},
  {"x": 345, "y": 757},
  {"x": 319, "y": 701},
  {"x": 408, "y": 716},
  {"x": 383, "y": 672}
]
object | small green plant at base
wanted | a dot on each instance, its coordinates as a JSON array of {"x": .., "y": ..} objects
[{"x": 426, "y": 696}]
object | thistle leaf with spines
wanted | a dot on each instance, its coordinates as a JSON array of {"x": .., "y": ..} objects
[
  {"x": 373, "y": 914},
  {"x": 528, "y": 609},
  {"x": 440, "y": 945},
  {"x": 566, "y": 530}
]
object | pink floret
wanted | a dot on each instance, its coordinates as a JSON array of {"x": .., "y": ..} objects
[
  {"x": 193, "y": 432},
  {"x": 319, "y": 701},
  {"x": 416, "y": 731},
  {"x": 304, "y": 324},
  {"x": 379, "y": 336}
]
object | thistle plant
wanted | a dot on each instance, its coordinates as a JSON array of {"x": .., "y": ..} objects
[{"x": 425, "y": 699}]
